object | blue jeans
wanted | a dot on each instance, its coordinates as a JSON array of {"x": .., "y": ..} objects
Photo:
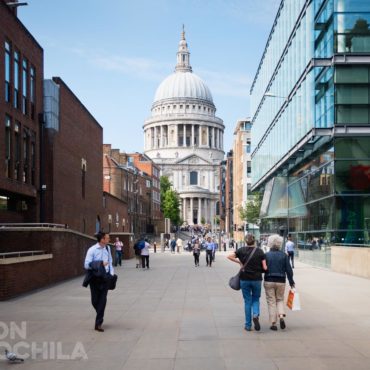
[{"x": 251, "y": 290}]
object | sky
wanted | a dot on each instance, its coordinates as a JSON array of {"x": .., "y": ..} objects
[{"x": 113, "y": 54}]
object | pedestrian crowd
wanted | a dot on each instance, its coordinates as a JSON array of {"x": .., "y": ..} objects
[{"x": 266, "y": 262}]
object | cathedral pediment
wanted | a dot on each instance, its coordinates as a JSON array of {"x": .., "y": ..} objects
[{"x": 193, "y": 159}]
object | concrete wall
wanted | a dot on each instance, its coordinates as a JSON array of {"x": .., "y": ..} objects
[{"x": 351, "y": 260}]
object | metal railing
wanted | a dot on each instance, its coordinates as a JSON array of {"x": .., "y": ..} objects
[
  {"x": 59, "y": 226},
  {"x": 21, "y": 254}
]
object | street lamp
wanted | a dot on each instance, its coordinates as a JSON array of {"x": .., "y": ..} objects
[{"x": 271, "y": 95}]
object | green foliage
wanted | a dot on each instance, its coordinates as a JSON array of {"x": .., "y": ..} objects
[
  {"x": 165, "y": 184},
  {"x": 171, "y": 206},
  {"x": 202, "y": 220},
  {"x": 251, "y": 212}
]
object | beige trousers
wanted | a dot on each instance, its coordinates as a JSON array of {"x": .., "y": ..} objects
[{"x": 275, "y": 299}]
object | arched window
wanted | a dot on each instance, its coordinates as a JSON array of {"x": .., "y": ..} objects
[{"x": 193, "y": 178}]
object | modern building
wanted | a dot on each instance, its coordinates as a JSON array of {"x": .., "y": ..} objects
[
  {"x": 242, "y": 168},
  {"x": 185, "y": 138},
  {"x": 21, "y": 106},
  {"x": 310, "y": 103}
]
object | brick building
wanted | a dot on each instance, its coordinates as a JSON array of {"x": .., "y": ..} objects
[
  {"x": 126, "y": 182},
  {"x": 146, "y": 165},
  {"x": 73, "y": 160},
  {"x": 21, "y": 105}
]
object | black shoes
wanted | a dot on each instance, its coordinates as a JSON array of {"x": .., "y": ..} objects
[
  {"x": 99, "y": 328},
  {"x": 273, "y": 327},
  {"x": 256, "y": 323},
  {"x": 282, "y": 324}
]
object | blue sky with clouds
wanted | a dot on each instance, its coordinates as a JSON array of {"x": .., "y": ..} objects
[{"x": 113, "y": 54}]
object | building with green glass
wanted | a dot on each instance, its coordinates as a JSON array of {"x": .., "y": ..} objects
[{"x": 310, "y": 108}]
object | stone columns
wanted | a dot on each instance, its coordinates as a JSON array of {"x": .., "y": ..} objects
[
  {"x": 184, "y": 142},
  {"x": 191, "y": 211},
  {"x": 155, "y": 137},
  {"x": 199, "y": 210},
  {"x": 213, "y": 137},
  {"x": 161, "y": 141},
  {"x": 184, "y": 209},
  {"x": 208, "y": 136},
  {"x": 192, "y": 135}
]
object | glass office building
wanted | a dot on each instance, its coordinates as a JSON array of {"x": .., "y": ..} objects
[{"x": 310, "y": 104}]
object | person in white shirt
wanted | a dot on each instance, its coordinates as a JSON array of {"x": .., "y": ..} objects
[
  {"x": 99, "y": 254},
  {"x": 289, "y": 250},
  {"x": 145, "y": 255}
]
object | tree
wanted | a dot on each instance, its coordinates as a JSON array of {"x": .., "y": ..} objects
[
  {"x": 165, "y": 184},
  {"x": 171, "y": 206},
  {"x": 251, "y": 212}
]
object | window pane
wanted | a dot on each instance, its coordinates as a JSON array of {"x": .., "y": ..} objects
[
  {"x": 352, "y": 75},
  {"x": 353, "y": 147},
  {"x": 352, "y": 115},
  {"x": 347, "y": 94}
]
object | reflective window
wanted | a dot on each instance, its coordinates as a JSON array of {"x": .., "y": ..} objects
[
  {"x": 7, "y": 71},
  {"x": 16, "y": 80}
]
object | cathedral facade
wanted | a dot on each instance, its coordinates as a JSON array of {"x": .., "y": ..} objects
[{"x": 185, "y": 138}]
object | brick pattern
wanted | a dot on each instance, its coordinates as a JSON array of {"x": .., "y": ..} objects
[{"x": 68, "y": 249}]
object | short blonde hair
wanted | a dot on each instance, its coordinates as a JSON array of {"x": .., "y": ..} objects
[{"x": 274, "y": 241}]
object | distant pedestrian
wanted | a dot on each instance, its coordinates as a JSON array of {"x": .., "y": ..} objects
[
  {"x": 173, "y": 245},
  {"x": 179, "y": 244},
  {"x": 210, "y": 247},
  {"x": 145, "y": 255},
  {"x": 252, "y": 261},
  {"x": 118, "y": 245},
  {"x": 99, "y": 260},
  {"x": 196, "y": 253},
  {"x": 289, "y": 249},
  {"x": 155, "y": 247},
  {"x": 137, "y": 253},
  {"x": 278, "y": 267}
]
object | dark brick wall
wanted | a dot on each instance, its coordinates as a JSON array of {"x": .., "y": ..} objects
[
  {"x": 79, "y": 139},
  {"x": 68, "y": 249},
  {"x": 14, "y": 32}
]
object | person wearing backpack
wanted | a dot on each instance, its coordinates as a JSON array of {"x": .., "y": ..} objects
[{"x": 137, "y": 250}]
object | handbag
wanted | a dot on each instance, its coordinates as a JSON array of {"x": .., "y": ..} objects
[
  {"x": 293, "y": 301},
  {"x": 234, "y": 281},
  {"x": 112, "y": 279}
]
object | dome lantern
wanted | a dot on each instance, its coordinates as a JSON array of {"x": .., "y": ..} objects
[{"x": 183, "y": 55}]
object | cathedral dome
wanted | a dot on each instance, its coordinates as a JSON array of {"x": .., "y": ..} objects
[{"x": 183, "y": 85}]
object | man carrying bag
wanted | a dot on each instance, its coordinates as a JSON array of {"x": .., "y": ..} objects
[{"x": 100, "y": 276}]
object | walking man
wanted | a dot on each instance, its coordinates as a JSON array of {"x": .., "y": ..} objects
[
  {"x": 289, "y": 250},
  {"x": 145, "y": 255},
  {"x": 98, "y": 259},
  {"x": 210, "y": 246}
]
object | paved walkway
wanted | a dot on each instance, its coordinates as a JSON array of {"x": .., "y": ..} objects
[{"x": 176, "y": 316}]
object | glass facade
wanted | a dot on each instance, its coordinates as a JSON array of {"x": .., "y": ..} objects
[{"x": 311, "y": 117}]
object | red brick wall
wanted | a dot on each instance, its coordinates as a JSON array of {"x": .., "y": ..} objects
[
  {"x": 80, "y": 137},
  {"x": 68, "y": 249}
]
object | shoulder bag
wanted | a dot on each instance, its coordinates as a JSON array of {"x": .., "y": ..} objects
[{"x": 234, "y": 281}]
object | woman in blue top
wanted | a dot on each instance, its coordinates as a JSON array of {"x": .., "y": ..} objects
[{"x": 278, "y": 267}]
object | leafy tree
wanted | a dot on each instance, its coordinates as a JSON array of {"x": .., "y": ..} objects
[
  {"x": 165, "y": 184},
  {"x": 171, "y": 206},
  {"x": 202, "y": 220},
  {"x": 251, "y": 212}
]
